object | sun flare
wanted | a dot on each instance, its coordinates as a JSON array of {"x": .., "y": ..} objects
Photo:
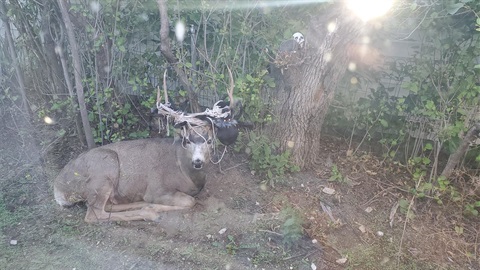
[{"x": 369, "y": 9}]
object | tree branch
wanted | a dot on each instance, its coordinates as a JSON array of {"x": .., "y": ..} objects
[
  {"x": 77, "y": 68},
  {"x": 13, "y": 55},
  {"x": 166, "y": 51}
]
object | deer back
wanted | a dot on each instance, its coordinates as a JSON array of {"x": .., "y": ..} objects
[{"x": 138, "y": 170}]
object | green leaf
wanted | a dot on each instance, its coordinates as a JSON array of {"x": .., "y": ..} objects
[
  {"x": 383, "y": 122},
  {"x": 61, "y": 132},
  {"x": 428, "y": 146},
  {"x": 453, "y": 8}
]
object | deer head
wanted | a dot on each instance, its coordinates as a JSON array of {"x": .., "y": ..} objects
[
  {"x": 197, "y": 141},
  {"x": 219, "y": 118}
]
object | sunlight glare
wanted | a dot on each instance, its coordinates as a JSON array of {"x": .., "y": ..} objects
[{"x": 369, "y": 9}]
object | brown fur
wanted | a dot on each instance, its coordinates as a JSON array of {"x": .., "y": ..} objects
[{"x": 135, "y": 180}]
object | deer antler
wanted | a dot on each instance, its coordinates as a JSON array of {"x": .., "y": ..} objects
[
  {"x": 232, "y": 86},
  {"x": 159, "y": 96},
  {"x": 165, "y": 87},
  {"x": 191, "y": 118}
]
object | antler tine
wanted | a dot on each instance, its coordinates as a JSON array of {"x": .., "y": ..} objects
[
  {"x": 159, "y": 96},
  {"x": 190, "y": 118},
  {"x": 165, "y": 86},
  {"x": 232, "y": 86}
]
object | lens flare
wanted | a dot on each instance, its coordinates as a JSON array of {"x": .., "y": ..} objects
[
  {"x": 180, "y": 30},
  {"x": 95, "y": 6},
  {"x": 352, "y": 66},
  {"x": 332, "y": 27},
  {"x": 48, "y": 120},
  {"x": 369, "y": 9}
]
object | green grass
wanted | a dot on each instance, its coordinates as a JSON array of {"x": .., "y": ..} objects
[{"x": 6, "y": 217}]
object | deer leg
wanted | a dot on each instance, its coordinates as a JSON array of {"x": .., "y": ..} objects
[
  {"x": 168, "y": 202},
  {"x": 177, "y": 198},
  {"x": 141, "y": 205},
  {"x": 143, "y": 214},
  {"x": 96, "y": 211}
]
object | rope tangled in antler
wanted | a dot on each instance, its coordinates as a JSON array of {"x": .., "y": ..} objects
[
  {"x": 219, "y": 117},
  {"x": 191, "y": 118}
]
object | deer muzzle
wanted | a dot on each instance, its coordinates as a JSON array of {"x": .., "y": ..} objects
[{"x": 197, "y": 164}]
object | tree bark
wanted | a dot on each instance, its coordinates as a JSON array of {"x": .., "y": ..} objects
[
  {"x": 455, "y": 158},
  {"x": 77, "y": 73},
  {"x": 68, "y": 83},
  {"x": 304, "y": 91},
  {"x": 168, "y": 54},
  {"x": 18, "y": 71},
  {"x": 52, "y": 62}
]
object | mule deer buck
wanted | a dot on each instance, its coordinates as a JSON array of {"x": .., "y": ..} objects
[{"x": 136, "y": 180}]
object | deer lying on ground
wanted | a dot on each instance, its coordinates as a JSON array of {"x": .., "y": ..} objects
[{"x": 136, "y": 180}]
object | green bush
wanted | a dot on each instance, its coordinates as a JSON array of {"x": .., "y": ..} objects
[
  {"x": 291, "y": 228},
  {"x": 267, "y": 160}
]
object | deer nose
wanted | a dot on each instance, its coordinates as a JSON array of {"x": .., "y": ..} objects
[{"x": 197, "y": 163}]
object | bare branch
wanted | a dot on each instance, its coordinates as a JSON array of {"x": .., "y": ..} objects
[{"x": 168, "y": 54}]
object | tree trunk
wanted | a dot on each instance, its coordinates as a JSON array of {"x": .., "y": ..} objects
[
  {"x": 77, "y": 73},
  {"x": 13, "y": 55},
  {"x": 305, "y": 89},
  {"x": 53, "y": 64},
  {"x": 455, "y": 158},
  {"x": 68, "y": 83},
  {"x": 168, "y": 54}
]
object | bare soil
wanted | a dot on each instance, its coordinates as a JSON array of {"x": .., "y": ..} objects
[{"x": 50, "y": 237}]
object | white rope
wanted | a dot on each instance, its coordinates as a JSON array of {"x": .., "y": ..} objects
[
  {"x": 223, "y": 154},
  {"x": 191, "y": 119},
  {"x": 215, "y": 112}
]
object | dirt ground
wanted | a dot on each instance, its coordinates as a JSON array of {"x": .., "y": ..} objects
[{"x": 349, "y": 229}]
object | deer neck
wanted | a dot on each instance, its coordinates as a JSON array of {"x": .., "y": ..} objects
[{"x": 197, "y": 176}]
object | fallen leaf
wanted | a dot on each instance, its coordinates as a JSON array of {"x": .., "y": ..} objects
[
  {"x": 368, "y": 209},
  {"x": 392, "y": 213},
  {"x": 222, "y": 231},
  {"x": 362, "y": 229},
  {"x": 327, "y": 209},
  {"x": 329, "y": 191},
  {"x": 313, "y": 266},
  {"x": 341, "y": 261}
]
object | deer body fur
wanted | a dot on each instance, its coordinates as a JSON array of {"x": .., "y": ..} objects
[{"x": 135, "y": 180}]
